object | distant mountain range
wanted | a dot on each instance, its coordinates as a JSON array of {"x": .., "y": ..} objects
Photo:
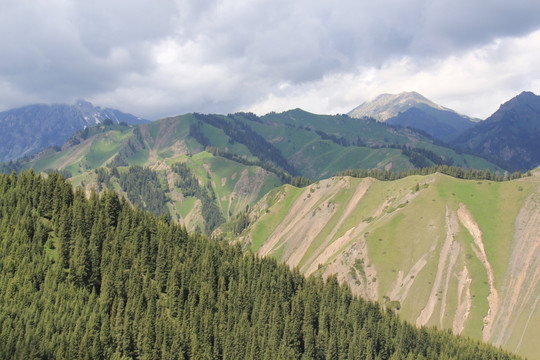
[
  {"x": 296, "y": 142},
  {"x": 507, "y": 138},
  {"x": 410, "y": 109},
  {"x": 31, "y": 128}
]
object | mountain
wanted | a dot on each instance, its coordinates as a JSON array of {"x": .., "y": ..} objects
[
  {"x": 410, "y": 109},
  {"x": 510, "y": 134},
  {"x": 92, "y": 277},
  {"x": 232, "y": 161},
  {"x": 457, "y": 254},
  {"x": 142, "y": 163},
  {"x": 32, "y": 128}
]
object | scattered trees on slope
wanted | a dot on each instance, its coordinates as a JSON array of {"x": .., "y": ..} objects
[
  {"x": 189, "y": 185},
  {"x": 455, "y": 171}
]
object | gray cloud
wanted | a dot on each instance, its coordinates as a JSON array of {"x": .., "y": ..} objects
[
  {"x": 168, "y": 57},
  {"x": 78, "y": 48}
]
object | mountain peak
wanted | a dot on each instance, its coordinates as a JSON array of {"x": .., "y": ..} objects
[
  {"x": 528, "y": 97},
  {"x": 525, "y": 100},
  {"x": 83, "y": 105},
  {"x": 411, "y": 109},
  {"x": 525, "y": 96},
  {"x": 510, "y": 134},
  {"x": 386, "y": 106}
]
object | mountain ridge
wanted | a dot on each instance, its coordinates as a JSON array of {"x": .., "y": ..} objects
[
  {"x": 235, "y": 159},
  {"x": 436, "y": 249}
]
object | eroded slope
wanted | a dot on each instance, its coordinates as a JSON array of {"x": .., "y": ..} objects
[{"x": 458, "y": 254}]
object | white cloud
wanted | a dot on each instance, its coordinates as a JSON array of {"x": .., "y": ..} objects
[{"x": 474, "y": 83}]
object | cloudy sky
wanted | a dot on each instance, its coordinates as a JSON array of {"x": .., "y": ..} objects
[{"x": 168, "y": 57}]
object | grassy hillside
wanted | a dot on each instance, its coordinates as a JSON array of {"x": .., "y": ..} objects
[
  {"x": 102, "y": 156},
  {"x": 322, "y": 145},
  {"x": 294, "y": 142},
  {"x": 438, "y": 250},
  {"x": 457, "y": 254}
]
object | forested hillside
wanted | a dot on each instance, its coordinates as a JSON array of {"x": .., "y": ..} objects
[{"x": 93, "y": 278}]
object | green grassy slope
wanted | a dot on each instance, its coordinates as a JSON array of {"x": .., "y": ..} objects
[
  {"x": 414, "y": 250},
  {"x": 458, "y": 254},
  {"x": 288, "y": 129},
  {"x": 298, "y": 142},
  {"x": 157, "y": 146}
]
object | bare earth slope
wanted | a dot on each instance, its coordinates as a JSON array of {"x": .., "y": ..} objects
[{"x": 457, "y": 254}]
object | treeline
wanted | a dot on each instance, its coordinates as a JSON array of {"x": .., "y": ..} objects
[
  {"x": 240, "y": 132},
  {"x": 267, "y": 165},
  {"x": 286, "y": 178},
  {"x": 89, "y": 131},
  {"x": 93, "y": 278},
  {"x": 418, "y": 157},
  {"x": 247, "y": 115},
  {"x": 189, "y": 185},
  {"x": 454, "y": 171},
  {"x": 340, "y": 140},
  {"x": 422, "y": 158},
  {"x": 235, "y": 225},
  {"x": 133, "y": 146}
]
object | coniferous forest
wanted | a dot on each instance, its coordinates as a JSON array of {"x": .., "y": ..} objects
[{"x": 89, "y": 277}]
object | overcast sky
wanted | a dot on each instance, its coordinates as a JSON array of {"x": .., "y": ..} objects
[{"x": 167, "y": 57}]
